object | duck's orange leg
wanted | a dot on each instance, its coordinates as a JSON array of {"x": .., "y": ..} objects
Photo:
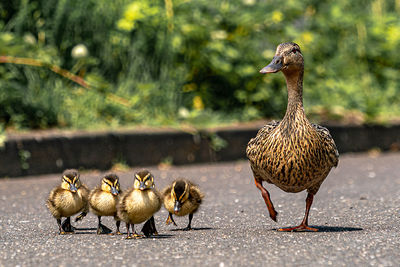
[
  {"x": 304, "y": 224},
  {"x": 268, "y": 202}
]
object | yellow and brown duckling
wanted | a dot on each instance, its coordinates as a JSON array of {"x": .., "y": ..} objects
[
  {"x": 293, "y": 153},
  {"x": 139, "y": 203},
  {"x": 103, "y": 201},
  {"x": 182, "y": 198},
  {"x": 68, "y": 199}
]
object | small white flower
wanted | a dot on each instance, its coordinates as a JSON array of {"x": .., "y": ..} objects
[
  {"x": 183, "y": 112},
  {"x": 219, "y": 35},
  {"x": 249, "y": 2},
  {"x": 79, "y": 51},
  {"x": 29, "y": 38}
]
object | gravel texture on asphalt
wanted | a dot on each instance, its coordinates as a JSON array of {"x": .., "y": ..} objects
[{"x": 356, "y": 211}]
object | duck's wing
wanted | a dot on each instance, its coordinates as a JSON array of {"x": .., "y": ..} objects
[
  {"x": 253, "y": 147},
  {"x": 329, "y": 143}
]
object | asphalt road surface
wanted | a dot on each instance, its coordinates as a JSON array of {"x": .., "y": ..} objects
[{"x": 356, "y": 211}]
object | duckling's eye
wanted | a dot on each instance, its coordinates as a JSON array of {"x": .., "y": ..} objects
[{"x": 295, "y": 50}]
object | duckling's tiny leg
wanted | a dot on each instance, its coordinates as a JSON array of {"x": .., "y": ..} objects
[
  {"x": 267, "y": 200},
  {"x": 102, "y": 229},
  {"x": 135, "y": 235},
  {"x": 66, "y": 226},
  {"x": 153, "y": 223},
  {"x": 170, "y": 219},
  {"x": 128, "y": 236},
  {"x": 149, "y": 228},
  {"x": 117, "y": 223},
  {"x": 60, "y": 227},
  {"x": 304, "y": 224},
  {"x": 189, "y": 227}
]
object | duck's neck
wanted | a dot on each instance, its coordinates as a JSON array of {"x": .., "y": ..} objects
[{"x": 294, "y": 83}]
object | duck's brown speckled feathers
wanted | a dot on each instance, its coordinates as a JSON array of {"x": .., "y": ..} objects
[{"x": 293, "y": 153}]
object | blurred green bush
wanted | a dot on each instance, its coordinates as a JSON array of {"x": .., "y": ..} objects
[{"x": 194, "y": 61}]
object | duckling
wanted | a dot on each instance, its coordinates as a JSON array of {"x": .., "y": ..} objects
[
  {"x": 68, "y": 199},
  {"x": 182, "y": 197},
  {"x": 293, "y": 153},
  {"x": 139, "y": 203},
  {"x": 103, "y": 201}
]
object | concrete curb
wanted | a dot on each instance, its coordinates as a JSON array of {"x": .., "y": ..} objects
[{"x": 40, "y": 154}]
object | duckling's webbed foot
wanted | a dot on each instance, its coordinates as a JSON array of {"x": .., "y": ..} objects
[
  {"x": 103, "y": 230},
  {"x": 67, "y": 226},
  {"x": 189, "y": 227},
  {"x": 128, "y": 234},
  {"x": 170, "y": 219},
  {"x": 80, "y": 216},
  {"x": 117, "y": 232},
  {"x": 149, "y": 228},
  {"x": 265, "y": 194},
  {"x": 134, "y": 235},
  {"x": 60, "y": 228}
]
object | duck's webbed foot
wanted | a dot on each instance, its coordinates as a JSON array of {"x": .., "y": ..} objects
[
  {"x": 304, "y": 224},
  {"x": 170, "y": 219},
  {"x": 300, "y": 228},
  {"x": 67, "y": 226}
]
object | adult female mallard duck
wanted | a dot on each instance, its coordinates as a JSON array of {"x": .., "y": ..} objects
[
  {"x": 103, "y": 201},
  {"x": 182, "y": 198},
  {"x": 293, "y": 153},
  {"x": 139, "y": 203},
  {"x": 68, "y": 199}
]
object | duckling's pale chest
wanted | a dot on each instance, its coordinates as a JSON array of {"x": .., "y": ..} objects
[
  {"x": 141, "y": 205},
  {"x": 70, "y": 203},
  {"x": 104, "y": 204}
]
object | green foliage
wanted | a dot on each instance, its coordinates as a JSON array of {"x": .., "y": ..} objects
[{"x": 193, "y": 61}]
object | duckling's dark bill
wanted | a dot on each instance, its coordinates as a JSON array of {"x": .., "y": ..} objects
[
  {"x": 177, "y": 206},
  {"x": 274, "y": 66}
]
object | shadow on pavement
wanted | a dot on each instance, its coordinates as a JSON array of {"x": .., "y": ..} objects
[
  {"x": 193, "y": 229},
  {"x": 329, "y": 229}
]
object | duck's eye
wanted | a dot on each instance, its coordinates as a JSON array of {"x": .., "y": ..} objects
[{"x": 294, "y": 50}]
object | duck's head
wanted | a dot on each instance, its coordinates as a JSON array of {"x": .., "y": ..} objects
[
  {"x": 288, "y": 58},
  {"x": 110, "y": 184},
  {"x": 70, "y": 180},
  {"x": 143, "y": 180},
  {"x": 179, "y": 193}
]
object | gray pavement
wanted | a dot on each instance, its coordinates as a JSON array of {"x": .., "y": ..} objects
[{"x": 356, "y": 210}]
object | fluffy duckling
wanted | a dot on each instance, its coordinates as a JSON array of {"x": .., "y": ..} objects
[
  {"x": 68, "y": 199},
  {"x": 139, "y": 203},
  {"x": 103, "y": 201},
  {"x": 182, "y": 197},
  {"x": 293, "y": 153}
]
